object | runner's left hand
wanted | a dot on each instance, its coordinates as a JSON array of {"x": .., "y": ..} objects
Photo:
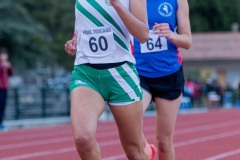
[{"x": 163, "y": 30}]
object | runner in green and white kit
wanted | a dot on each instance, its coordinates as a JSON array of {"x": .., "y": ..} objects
[{"x": 104, "y": 71}]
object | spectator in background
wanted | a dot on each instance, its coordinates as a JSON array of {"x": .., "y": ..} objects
[
  {"x": 5, "y": 72},
  {"x": 189, "y": 89},
  {"x": 214, "y": 93},
  {"x": 192, "y": 89}
]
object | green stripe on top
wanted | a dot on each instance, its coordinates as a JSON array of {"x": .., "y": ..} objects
[
  {"x": 109, "y": 18},
  {"x": 94, "y": 20},
  {"x": 88, "y": 14},
  {"x": 120, "y": 42}
]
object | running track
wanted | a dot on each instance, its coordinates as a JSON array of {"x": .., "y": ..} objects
[{"x": 211, "y": 135}]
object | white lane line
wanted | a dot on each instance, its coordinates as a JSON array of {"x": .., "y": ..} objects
[
  {"x": 42, "y": 133},
  {"x": 58, "y": 151},
  {"x": 52, "y": 134},
  {"x": 51, "y": 141},
  {"x": 224, "y": 155},
  {"x": 38, "y": 154},
  {"x": 113, "y": 133},
  {"x": 21, "y": 135},
  {"x": 207, "y": 127},
  {"x": 35, "y": 135},
  {"x": 207, "y": 138},
  {"x": 202, "y": 128},
  {"x": 117, "y": 142},
  {"x": 197, "y": 140},
  {"x": 36, "y": 143},
  {"x": 116, "y": 157}
]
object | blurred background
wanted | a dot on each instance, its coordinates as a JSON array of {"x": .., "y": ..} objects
[{"x": 35, "y": 32}]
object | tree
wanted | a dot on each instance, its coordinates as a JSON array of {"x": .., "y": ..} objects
[
  {"x": 21, "y": 34},
  {"x": 58, "y": 17},
  {"x": 213, "y": 15}
]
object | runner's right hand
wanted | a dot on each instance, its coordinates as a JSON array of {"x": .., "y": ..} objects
[{"x": 70, "y": 46}]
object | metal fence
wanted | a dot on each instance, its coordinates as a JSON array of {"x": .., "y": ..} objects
[
  {"x": 31, "y": 102},
  {"x": 35, "y": 102}
]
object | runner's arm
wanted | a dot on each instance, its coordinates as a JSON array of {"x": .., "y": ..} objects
[
  {"x": 183, "y": 37},
  {"x": 135, "y": 20}
]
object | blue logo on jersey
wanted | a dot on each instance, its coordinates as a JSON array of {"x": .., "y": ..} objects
[{"x": 165, "y": 9}]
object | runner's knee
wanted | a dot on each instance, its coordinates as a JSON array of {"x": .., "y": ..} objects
[
  {"x": 85, "y": 141},
  {"x": 134, "y": 152},
  {"x": 165, "y": 144}
]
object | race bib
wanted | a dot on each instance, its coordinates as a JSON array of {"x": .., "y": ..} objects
[
  {"x": 155, "y": 43},
  {"x": 97, "y": 41}
]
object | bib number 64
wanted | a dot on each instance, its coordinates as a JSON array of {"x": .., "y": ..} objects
[
  {"x": 155, "y": 43},
  {"x": 151, "y": 44}
]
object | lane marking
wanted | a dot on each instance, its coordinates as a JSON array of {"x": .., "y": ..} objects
[
  {"x": 198, "y": 140},
  {"x": 42, "y": 133},
  {"x": 207, "y": 138},
  {"x": 179, "y": 144},
  {"x": 113, "y": 133},
  {"x": 224, "y": 155},
  {"x": 119, "y": 156},
  {"x": 51, "y": 141},
  {"x": 117, "y": 142},
  {"x": 207, "y": 127},
  {"x": 38, "y": 154}
]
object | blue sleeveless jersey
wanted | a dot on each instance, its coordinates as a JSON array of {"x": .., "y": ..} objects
[{"x": 158, "y": 57}]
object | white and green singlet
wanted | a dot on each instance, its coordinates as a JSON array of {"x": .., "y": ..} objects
[{"x": 102, "y": 36}]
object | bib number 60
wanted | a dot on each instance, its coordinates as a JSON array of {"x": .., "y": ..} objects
[{"x": 96, "y": 44}]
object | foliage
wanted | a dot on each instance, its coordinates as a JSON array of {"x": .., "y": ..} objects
[
  {"x": 20, "y": 33},
  {"x": 213, "y": 15},
  {"x": 58, "y": 17},
  {"x": 35, "y": 31}
]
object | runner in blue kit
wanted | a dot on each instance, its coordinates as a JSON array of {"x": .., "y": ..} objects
[
  {"x": 104, "y": 71},
  {"x": 159, "y": 65}
]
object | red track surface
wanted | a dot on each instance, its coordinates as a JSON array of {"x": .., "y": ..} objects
[{"x": 212, "y": 135}]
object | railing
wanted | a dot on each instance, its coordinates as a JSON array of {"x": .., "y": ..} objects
[
  {"x": 37, "y": 102},
  {"x": 34, "y": 102}
]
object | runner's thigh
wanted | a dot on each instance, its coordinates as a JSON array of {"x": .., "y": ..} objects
[
  {"x": 167, "y": 111},
  {"x": 86, "y": 107}
]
